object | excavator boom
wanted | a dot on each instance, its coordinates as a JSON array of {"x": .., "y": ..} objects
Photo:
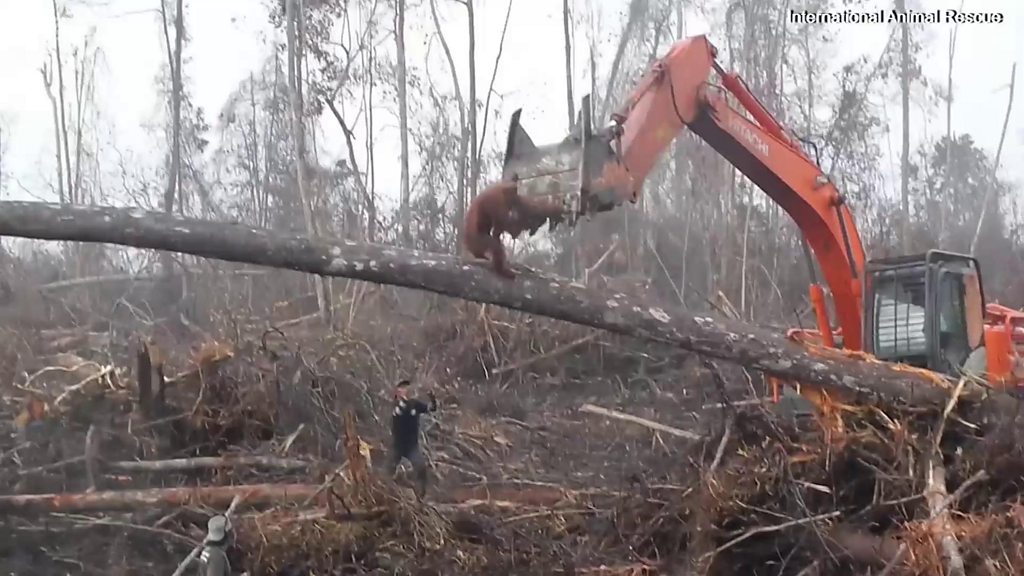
[
  {"x": 680, "y": 91},
  {"x": 926, "y": 310}
]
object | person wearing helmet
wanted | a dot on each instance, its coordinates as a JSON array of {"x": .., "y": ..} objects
[
  {"x": 213, "y": 560},
  {"x": 405, "y": 433}
]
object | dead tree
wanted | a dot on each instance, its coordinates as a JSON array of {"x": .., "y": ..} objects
[
  {"x": 60, "y": 99},
  {"x": 568, "y": 62},
  {"x": 905, "y": 145},
  {"x": 990, "y": 193},
  {"x": 174, "y": 64},
  {"x": 295, "y": 32},
  {"x": 461, "y": 161},
  {"x": 474, "y": 164},
  {"x": 403, "y": 122}
]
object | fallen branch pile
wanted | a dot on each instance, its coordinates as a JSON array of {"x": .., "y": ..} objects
[
  {"x": 759, "y": 496},
  {"x": 768, "y": 499}
]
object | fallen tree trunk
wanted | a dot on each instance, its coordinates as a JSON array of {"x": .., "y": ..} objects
[
  {"x": 535, "y": 293},
  {"x": 205, "y": 462},
  {"x": 157, "y": 498},
  {"x": 530, "y": 494},
  {"x": 656, "y": 426}
]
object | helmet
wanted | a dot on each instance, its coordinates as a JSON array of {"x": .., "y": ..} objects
[{"x": 217, "y": 528}]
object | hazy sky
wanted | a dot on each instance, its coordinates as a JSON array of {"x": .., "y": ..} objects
[{"x": 230, "y": 38}]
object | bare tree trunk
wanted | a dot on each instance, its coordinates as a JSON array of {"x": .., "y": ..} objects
[
  {"x": 637, "y": 11},
  {"x": 60, "y": 99},
  {"x": 371, "y": 168},
  {"x": 47, "y": 74},
  {"x": 84, "y": 74},
  {"x": 949, "y": 88},
  {"x": 174, "y": 175},
  {"x": 294, "y": 32},
  {"x": 593, "y": 68},
  {"x": 158, "y": 498},
  {"x": 474, "y": 164},
  {"x": 324, "y": 288},
  {"x": 743, "y": 259},
  {"x": 350, "y": 144},
  {"x": 460, "y": 183},
  {"x": 403, "y": 123},
  {"x": 569, "y": 101},
  {"x": 905, "y": 155},
  {"x": 678, "y": 181},
  {"x": 81, "y": 95},
  {"x": 1006, "y": 117},
  {"x": 254, "y": 153},
  {"x": 990, "y": 194},
  {"x": 809, "y": 57},
  {"x": 490, "y": 86},
  {"x": 270, "y": 144},
  {"x": 171, "y": 190},
  {"x": 949, "y": 130}
]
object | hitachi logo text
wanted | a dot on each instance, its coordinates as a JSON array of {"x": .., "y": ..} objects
[{"x": 751, "y": 138}]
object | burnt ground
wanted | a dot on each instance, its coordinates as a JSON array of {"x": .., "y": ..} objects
[{"x": 525, "y": 482}]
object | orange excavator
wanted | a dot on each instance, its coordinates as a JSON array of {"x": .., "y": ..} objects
[{"x": 927, "y": 310}]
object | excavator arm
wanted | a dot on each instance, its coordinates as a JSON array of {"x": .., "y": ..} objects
[
  {"x": 926, "y": 311},
  {"x": 679, "y": 92}
]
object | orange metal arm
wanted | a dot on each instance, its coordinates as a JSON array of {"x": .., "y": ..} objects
[{"x": 676, "y": 93}]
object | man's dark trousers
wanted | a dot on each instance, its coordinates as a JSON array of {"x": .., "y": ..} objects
[
  {"x": 419, "y": 465},
  {"x": 405, "y": 436}
]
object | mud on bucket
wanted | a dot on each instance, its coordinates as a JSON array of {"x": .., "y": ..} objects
[{"x": 582, "y": 170}]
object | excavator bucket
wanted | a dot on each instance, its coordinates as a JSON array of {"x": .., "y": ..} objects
[{"x": 582, "y": 170}]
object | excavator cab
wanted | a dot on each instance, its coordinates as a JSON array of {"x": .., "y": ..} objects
[
  {"x": 582, "y": 171},
  {"x": 925, "y": 310}
]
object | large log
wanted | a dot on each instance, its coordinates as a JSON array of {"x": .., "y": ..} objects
[
  {"x": 158, "y": 498},
  {"x": 535, "y": 293},
  {"x": 208, "y": 462}
]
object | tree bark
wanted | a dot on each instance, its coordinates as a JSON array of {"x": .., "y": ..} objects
[
  {"x": 60, "y": 98},
  {"x": 403, "y": 123},
  {"x": 371, "y": 160},
  {"x": 637, "y": 12},
  {"x": 474, "y": 164},
  {"x": 295, "y": 39},
  {"x": 173, "y": 188},
  {"x": 946, "y": 184},
  {"x": 210, "y": 462},
  {"x": 479, "y": 151},
  {"x": 546, "y": 295},
  {"x": 990, "y": 194},
  {"x": 78, "y": 73},
  {"x": 568, "y": 63},
  {"x": 157, "y": 498},
  {"x": 460, "y": 184},
  {"x": 680, "y": 172},
  {"x": 905, "y": 154},
  {"x": 174, "y": 63},
  {"x": 47, "y": 74},
  {"x": 356, "y": 174}
]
